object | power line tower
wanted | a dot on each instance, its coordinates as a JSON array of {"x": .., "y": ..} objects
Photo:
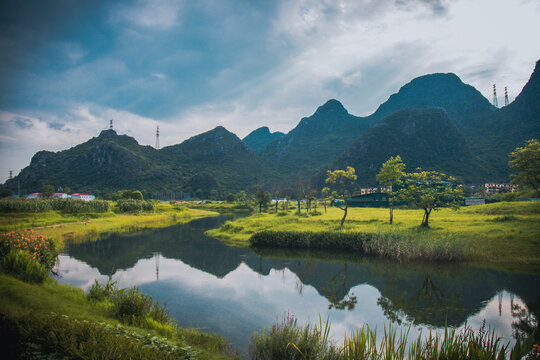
[
  {"x": 505, "y": 96},
  {"x": 111, "y": 122},
  {"x": 495, "y": 102},
  {"x": 157, "y": 137},
  {"x": 10, "y": 174}
]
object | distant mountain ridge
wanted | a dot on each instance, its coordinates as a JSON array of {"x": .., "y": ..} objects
[
  {"x": 434, "y": 122},
  {"x": 258, "y": 139}
]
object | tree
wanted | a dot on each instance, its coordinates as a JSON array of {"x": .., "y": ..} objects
[
  {"x": 47, "y": 190},
  {"x": 430, "y": 190},
  {"x": 340, "y": 181},
  {"x": 390, "y": 176},
  {"x": 526, "y": 161}
]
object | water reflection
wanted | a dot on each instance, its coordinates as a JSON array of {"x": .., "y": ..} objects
[{"x": 235, "y": 291}]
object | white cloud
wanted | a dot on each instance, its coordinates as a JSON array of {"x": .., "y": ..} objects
[{"x": 150, "y": 13}]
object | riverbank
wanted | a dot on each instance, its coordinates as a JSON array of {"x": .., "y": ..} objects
[
  {"x": 498, "y": 233},
  {"x": 28, "y": 308},
  {"x": 83, "y": 227}
]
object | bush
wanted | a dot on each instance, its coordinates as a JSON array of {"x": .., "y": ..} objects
[
  {"x": 401, "y": 246},
  {"x": 18, "y": 264},
  {"x": 132, "y": 306},
  {"x": 134, "y": 206},
  {"x": 65, "y": 337},
  {"x": 100, "y": 292},
  {"x": 287, "y": 340},
  {"x": 38, "y": 248},
  {"x": 71, "y": 206}
]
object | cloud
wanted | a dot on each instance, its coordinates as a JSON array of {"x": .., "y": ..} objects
[{"x": 159, "y": 14}]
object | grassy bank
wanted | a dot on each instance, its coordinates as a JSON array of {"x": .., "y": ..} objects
[
  {"x": 502, "y": 232},
  {"x": 57, "y": 319},
  {"x": 63, "y": 226}
]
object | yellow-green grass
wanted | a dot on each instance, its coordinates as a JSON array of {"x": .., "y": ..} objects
[
  {"x": 502, "y": 232},
  {"x": 19, "y": 299},
  {"x": 60, "y": 227}
]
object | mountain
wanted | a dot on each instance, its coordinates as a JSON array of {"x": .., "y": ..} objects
[
  {"x": 315, "y": 142},
  {"x": 425, "y": 138},
  {"x": 501, "y": 131},
  {"x": 107, "y": 161},
  {"x": 462, "y": 102},
  {"x": 216, "y": 160},
  {"x": 258, "y": 139}
]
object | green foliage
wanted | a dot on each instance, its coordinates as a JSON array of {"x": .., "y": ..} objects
[
  {"x": 287, "y": 340},
  {"x": 132, "y": 306},
  {"x": 391, "y": 172},
  {"x": 100, "y": 292},
  {"x": 47, "y": 190},
  {"x": 389, "y": 177},
  {"x": 526, "y": 161},
  {"x": 37, "y": 247},
  {"x": 402, "y": 246},
  {"x": 69, "y": 206},
  {"x": 19, "y": 264},
  {"x": 341, "y": 181},
  {"x": 134, "y": 206},
  {"x": 65, "y": 337},
  {"x": 430, "y": 190}
]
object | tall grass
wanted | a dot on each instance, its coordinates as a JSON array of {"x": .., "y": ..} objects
[
  {"x": 71, "y": 206},
  {"x": 402, "y": 246},
  {"x": 65, "y": 337},
  {"x": 287, "y": 340}
]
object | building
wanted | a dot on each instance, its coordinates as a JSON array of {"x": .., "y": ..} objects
[
  {"x": 34, "y": 196},
  {"x": 373, "y": 190},
  {"x": 60, "y": 195},
  {"x": 81, "y": 196},
  {"x": 490, "y": 188},
  {"x": 372, "y": 200}
]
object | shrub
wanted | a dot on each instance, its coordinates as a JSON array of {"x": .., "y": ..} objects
[
  {"x": 402, "y": 246},
  {"x": 65, "y": 337},
  {"x": 39, "y": 248},
  {"x": 100, "y": 292},
  {"x": 286, "y": 340},
  {"x": 18, "y": 264},
  {"x": 134, "y": 206},
  {"x": 71, "y": 206},
  {"x": 130, "y": 305}
]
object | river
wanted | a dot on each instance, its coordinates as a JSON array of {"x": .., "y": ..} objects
[{"x": 236, "y": 291}]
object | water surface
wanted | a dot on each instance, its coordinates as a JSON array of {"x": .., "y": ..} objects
[{"x": 236, "y": 291}]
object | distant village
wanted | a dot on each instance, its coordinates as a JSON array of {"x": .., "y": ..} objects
[{"x": 78, "y": 196}]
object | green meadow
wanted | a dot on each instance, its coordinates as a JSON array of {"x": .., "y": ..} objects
[
  {"x": 506, "y": 232},
  {"x": 61, "y": 226}
]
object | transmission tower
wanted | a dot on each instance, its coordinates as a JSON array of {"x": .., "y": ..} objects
[
  {"x": 495, "y": 102},
  {"x": 10, "y": 174},
  {"x": 157, "y": 137},
  {"x": 111, "y": 124},
  {"x": 505, "y": 96}
]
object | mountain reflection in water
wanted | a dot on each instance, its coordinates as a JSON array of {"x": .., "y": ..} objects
[{"x": 235, "y": 291}]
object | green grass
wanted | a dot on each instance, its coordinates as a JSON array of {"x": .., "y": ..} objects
[
  {"x": 60, "y": 227},
  {"x": 502, "y": 232},
  {"x": 45, "y": 312}
]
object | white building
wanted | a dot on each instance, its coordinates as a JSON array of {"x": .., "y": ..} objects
[{"x": 81, "y": 196}]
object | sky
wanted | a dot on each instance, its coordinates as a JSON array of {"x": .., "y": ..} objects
[{"x": 68, "y": 67}]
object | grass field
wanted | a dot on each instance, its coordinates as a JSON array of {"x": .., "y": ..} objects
[
  {"x": 501, "y": 232},
  {"x": 60, "y": 227},
  {"x": 20, "y": 301}
]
